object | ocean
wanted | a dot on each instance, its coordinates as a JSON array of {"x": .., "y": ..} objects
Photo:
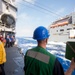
[{"x": 56, "y": 48}]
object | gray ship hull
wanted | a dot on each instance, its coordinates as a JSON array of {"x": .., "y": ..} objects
[{"x": 60, "y": 38}]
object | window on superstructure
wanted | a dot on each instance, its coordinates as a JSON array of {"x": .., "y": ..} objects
[
  {"x": 61, "y": 29},
  {"x": 69, "y": 28},
  {"x": 74, "y": 28}
]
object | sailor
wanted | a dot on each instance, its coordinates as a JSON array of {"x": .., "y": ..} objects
[
  {"x": 2, "y": 58},
  {"x": 3, "y": 40},
  {"x": 38, "y": 61},
  {"x": 7, "y": 41}
]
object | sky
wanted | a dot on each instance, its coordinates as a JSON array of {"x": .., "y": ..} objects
[{"x": 34, "y": 13}]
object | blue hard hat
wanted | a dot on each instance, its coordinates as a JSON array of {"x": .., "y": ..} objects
[{"x": 40, "y": 33}]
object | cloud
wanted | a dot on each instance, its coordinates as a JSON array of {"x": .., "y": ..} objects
[
  {"x": 23, "y": 16},
  {"x": 24, "y": 26},
  {"x": 26, "y": 32},
  {"x": 60, "y": 11},
  {"x": 18, "y": 1}
]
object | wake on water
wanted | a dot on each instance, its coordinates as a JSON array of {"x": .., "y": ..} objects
[{"x": 56, "y": 48}]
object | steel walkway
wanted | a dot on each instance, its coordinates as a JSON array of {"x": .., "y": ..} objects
[{"x": 15, "y": 62}]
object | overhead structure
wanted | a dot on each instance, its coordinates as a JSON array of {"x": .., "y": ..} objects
[{"x": 7, "y": 16}]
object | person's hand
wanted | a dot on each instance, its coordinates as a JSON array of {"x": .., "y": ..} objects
[
  {"x": 71, "y": 68},
  {"x": 72, "y": 65}
]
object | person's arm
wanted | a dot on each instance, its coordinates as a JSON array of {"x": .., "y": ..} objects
[
  {"x": 71, "y": 68},
  {"x": 58, "y": 70}
]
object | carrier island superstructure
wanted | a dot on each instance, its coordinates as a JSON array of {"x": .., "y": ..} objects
[
  {"x": 7, "y": 17},
  {"x": 63, "y": 30}
]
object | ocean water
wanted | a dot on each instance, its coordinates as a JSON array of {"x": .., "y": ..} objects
[{"x": 56, "y": 48}]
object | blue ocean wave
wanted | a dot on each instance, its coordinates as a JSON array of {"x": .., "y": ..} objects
[{"x": 56, "y": 49}]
